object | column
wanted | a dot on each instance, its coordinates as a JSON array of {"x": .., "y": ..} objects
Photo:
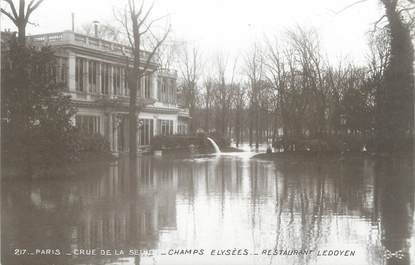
[
  {"x": 154, "y": 85},
  {"x": 98, "y": 86},
  {"x": 156, "y": 129},
  {"x": 71, "y": 71},
  {"x": 115, "y": 123},
  {"x": 175, "y": 125},
  {"x": 122, "y": 88},
  {"x": 86, "y": 76},
  {"x": 138, "y": 131},
  {"x": 110, "y": 81},
  {"x": 109, "y": 129},
  {"x": 102, "y": 125}
]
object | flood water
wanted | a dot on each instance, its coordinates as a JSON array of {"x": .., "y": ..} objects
[{"x": 169, "y": 208}]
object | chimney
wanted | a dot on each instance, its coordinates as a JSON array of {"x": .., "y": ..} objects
[
  {"x": 95, "y": 22},
  {"x": 73, "y": 22}
]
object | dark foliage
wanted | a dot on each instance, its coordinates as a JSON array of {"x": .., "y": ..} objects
[
  {"x": 36, "y": 115},
  {"x": 395, "y": 96},
  {"x": 176, "y": 142}
]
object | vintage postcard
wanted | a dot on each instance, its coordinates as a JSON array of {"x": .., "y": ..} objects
[{"x": 207, "y": 132}]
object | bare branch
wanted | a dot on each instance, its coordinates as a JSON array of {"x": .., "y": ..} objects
[
  {"x": 123, "y": 20},
  {"x": 375, "y": 25},
  {"x": 150, "y": 24},
  {"x": 12, "y": 7},
  {"x": 9, "y": 16},
  {"x": 158, "y": 44},
  {"x": 141, "y": 9},
  {"x": 349, "y": 6},
  {"x": 32, "y": 6},
  {"x": 33, "y": 24},
  {"x": 143, "y": 20},
  {"x": 405, "y": 9}
]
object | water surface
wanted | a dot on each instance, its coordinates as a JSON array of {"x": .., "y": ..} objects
[{"x": 215, "y": 203}]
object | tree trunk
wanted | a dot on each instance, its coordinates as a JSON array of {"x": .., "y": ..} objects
[
  {"x": 21, "y": 36},
  {"x": 134, "y": 86},
  {"x": 133, "y": 118},
  {"x": 395, "y": 98}
]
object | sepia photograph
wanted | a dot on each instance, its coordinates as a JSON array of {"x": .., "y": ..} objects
[{"x": 207, "y": 132}]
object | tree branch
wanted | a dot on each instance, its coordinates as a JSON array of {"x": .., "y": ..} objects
[
  {"x": 375, "y": 25},
  {"x": 32, "y": 6},
  {"x": 150, "y": 24},
  {"x": 9, "y": 16},
  {"x": 158, "y": 44},
  {"x": 127, "y": 31},
  {"x": 349, "y": 6},
  {"x": 12, "y": 7},
  {"x": 405, "y": 9},
  {"x": 143, "y": 20}
]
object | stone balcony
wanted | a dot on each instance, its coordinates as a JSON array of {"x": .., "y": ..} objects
[
  {"x": 123, "y": 101},
  {"x": 167, "y": 72},
  {"x": 71, "y": 38}
]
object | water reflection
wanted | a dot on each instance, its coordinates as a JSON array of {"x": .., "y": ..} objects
[{"x": 209, "y": 203}]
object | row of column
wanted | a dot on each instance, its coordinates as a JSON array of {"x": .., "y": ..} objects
[
  {"x": 72, "y": 77},
  {"x": 114, "y": 121}
]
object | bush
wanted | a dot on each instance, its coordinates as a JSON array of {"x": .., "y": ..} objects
[
  {"x": 175, "y": 142},
  {"x": 93, "y": 143}
]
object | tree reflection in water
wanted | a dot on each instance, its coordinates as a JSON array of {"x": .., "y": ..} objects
[{"x": 215, "y": 203}]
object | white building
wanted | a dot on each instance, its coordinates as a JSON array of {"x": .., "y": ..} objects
[{"x": 93, "y": 71}]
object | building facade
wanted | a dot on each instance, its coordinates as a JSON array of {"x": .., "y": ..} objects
[{"x": 94, "y": 73}]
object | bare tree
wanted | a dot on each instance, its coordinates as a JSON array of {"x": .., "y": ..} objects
[
  {"x": 190, "y": 66},
  {"x": 276, "y": 75},
  {"x": 169, "y": 53},
  {"x": 21, "y": 17},
  {"x": 208, "y": 84},
  {"x": 224, "y": 92},
  {"x": 309, "y": 60},
  {"x": 240, "y": 100},
  {"x": 254, "y": 69},
  {"x": 395, "y": 97},
  {"x": 395, "y": 102},
  {"x": 139, "y": 30}
]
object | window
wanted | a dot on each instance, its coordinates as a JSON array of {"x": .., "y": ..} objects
[
  {"x": 159, "y": 89},
  {"x": 88, "y": 124},
  {"x": 105, "y": 78},
  {"x": 126, "y": 92},
  {"x": 92, "y": 75},
  {"x": 174, "y": 91},
  {"x": 146, "y": 131},
  {"x": 162, "y": 90},
  {"x": 63, "y": 76},
  {"x": 79, "y": 74},
  {"x": 166, "y": 88},
  {"x": 147, "y": 86},
  {"x": 170, "y": 92},
  {"x": 116, "y": 80},
  {"x": 182, "y": 127},
  {"x": 61, "y": 70},
  {"x": 165, "y": 127}
]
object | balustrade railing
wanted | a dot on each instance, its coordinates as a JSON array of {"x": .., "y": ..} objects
[
  {"x": 86, "y": 41},
  {"x": 168, "y": 72}
]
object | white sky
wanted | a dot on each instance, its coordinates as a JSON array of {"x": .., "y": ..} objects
[{"x": 231, "y": 26}]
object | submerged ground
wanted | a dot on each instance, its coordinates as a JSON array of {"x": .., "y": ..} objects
[{"x": 217, "y": 205}]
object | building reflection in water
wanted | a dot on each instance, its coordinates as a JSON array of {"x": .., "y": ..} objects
[{"x": 215, "y": 203}]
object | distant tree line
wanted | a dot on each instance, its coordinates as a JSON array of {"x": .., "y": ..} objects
[
  {"x": 289, "y": 94},
  {"x": 286, "y": 92}
]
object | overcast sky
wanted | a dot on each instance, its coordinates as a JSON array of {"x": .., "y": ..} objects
[{"x": 231, "y": 26}]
